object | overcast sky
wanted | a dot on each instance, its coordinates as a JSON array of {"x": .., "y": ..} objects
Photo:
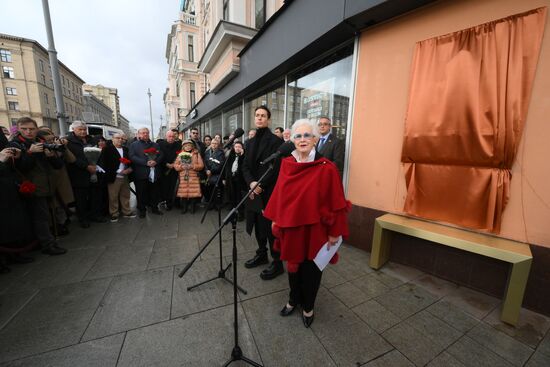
[{"x": 116, "y": 43}]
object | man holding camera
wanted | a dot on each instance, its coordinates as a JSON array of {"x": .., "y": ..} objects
[{"x": 37, "y": 164}]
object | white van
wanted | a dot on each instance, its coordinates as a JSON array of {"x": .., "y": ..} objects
[{"x": 104, "y": 130}]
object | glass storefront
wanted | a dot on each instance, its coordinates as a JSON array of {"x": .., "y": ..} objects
[
  {"x": 216, "y": 125},
  {"x": 274, "y": 99},
  {"x": 323, "y": 90},
  {"x": 232, "y": 119},
  {"x": 319, "y": 89}
]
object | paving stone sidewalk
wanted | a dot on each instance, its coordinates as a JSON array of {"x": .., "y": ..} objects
[{"x": 115, "y": 299}]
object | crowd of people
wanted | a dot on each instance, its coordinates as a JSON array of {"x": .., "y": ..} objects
[{"x": 48, "y": 182}]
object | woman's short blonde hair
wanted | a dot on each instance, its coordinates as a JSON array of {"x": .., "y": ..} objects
[{"x": 304, "y": 122}]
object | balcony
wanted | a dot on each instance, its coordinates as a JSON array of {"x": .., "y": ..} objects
[
  {"x": 188, "y": 19},
  {"x": 220, "y": 57}
]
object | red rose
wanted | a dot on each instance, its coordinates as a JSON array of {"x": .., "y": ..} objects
[
  {"x": 124, "y": 160},
  {"x": 27, "y": 188},
  {"x": 150, "y": 151}
]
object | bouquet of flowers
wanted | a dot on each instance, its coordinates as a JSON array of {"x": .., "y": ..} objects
[
  {"x": 185, "y": 159},
  {"x": 27, "y": 188},
  {"x": 151, "y": 154},
  {"x": 92, "y": 155},
  {"x": 124, "y": 161}
]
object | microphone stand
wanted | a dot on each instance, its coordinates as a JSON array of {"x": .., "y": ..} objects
[
  {"x": 222, "y": 270},
  {"x": 236, "y": 353}
]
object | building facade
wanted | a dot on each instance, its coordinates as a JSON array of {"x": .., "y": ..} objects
[
  {"x": 108, "y": 96},
  {"x": 95, "y": 111},
  {"x": 352, "y": 61},
  {"x": 27, "y": 87},
  {"x": 203, "y": 47}
]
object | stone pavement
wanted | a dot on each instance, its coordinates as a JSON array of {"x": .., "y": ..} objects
[{"x": 115, "y": 300}]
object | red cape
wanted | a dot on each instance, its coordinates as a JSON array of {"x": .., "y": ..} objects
[{"x": 307, "y": 205}]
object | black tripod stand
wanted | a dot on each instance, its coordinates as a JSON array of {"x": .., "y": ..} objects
[
  {"x": 221, "y": 272},
  {"x": 236, "y": 353}
]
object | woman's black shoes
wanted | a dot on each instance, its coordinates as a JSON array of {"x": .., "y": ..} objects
[
  {"x": 287, "y": 311},
  {"x": 308, "y": 320}
]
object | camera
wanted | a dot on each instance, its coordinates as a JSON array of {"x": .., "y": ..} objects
[{"x": 54, "y": 147}]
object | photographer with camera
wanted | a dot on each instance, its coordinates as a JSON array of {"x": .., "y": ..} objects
[
  {"x": 63, "y": 190},
  {"x": 37, "y": 164}
]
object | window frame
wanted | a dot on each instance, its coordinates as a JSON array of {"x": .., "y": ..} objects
[
  {"x": 5, "y": 55},
  {"x": 8, "y": 72}
]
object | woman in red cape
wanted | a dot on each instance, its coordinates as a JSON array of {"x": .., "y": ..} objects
[{"x": 308, "y": 209}]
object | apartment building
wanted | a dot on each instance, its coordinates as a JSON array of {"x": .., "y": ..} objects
[
  {"x": 107, "y": 95},
  {"x": 26, "y": 86},
  {"x": 95, "y": 111},
  {"x": 203, "y": 47}
]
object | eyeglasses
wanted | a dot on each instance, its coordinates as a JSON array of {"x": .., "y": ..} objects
[
  {"x": 323, "y": 124},
  {"x": 306, "y": 136}
]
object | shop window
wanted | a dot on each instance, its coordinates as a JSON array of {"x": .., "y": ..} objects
[
  {"x": 233, "y": 118},
  {"x": 323, "y": 89},
  {"x": 216, "y": 125},
  {"x": 269, "y": 99}
]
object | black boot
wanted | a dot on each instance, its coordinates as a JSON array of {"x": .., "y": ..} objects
[
  {"x": 193, "y": 204},
  {"x": 272, "y": 271},
  {"x": 184, "y": 203},
  {"x": 256, "y": 261}
]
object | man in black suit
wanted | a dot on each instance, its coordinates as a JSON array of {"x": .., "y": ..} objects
[
  {"x": 257, "y": 149},
  {"x": 330, "y": 146},
  {"x": 116, "y": 175}
]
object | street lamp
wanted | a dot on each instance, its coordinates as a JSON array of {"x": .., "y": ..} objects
[
  {"x": 52, "y": 53},
  {"x": 151, "y": 114}
]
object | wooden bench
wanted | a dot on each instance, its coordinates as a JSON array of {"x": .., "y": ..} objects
[{"x": 518, "y": 254}]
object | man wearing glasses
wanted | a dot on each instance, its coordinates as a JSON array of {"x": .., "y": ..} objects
[{"x": 330, "y": 146}]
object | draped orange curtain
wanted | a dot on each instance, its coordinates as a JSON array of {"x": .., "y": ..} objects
[{"x": 468, "y": 101}]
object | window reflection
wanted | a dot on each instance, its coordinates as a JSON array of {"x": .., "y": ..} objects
[
  {"x": 274, "y": 99},
  {"x": 324, "y": 92}
]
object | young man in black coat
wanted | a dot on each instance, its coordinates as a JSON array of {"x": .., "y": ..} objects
[
  {"x": 112, "y": 160},
  {"x": 257, "y": 149}
]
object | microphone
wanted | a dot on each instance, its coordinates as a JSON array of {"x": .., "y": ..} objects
[
  {"x": 237, "y": 134},
  {"x": 284, "y": 150}
]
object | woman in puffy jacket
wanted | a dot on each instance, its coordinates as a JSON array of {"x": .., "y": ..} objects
[{"x": 188, "y": 163}]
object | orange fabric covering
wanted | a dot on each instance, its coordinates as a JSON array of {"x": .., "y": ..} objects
[{"x": 468, "y": 102}]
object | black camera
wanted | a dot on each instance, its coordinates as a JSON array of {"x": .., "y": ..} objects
[{"x": 54, "y": 147}]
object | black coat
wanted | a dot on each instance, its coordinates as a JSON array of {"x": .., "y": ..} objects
[
  {"x": 110, "y": 161},
  {"x": 253, "y": 170},
  {"x": 334, "y": 150},
  {"x": 236, "y": 178},
  {"x": 169, "y": 151},
  {"x": 37, "y": 167},
  {"x": 78, "y": 170},
  {"x": 213, "y": 161},
  {"x": 14, "y": 218}
]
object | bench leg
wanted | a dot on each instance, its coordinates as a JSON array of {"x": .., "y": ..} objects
[
  {"x": 517, "y": 280},
  {"x": 381, "y": 241}
]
